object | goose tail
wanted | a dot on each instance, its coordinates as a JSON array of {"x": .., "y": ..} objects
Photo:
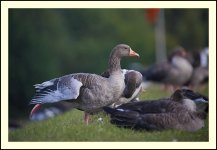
[{"x": 123, "y": 118}]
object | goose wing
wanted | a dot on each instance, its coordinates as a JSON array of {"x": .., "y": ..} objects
[
  {"x": 133, "y": 81},
  {"x": 63, "y": 88}
]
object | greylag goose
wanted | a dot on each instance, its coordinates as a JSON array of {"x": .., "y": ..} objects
[
  {"x": 85, "y": 91},
  {"x": 199, "y": 76},
  {"x": 184, "y": 110},
  {"x": 133, "y": 86},
  {"x": 200, "y": 73},
  {"x": 176, "y": 71}
]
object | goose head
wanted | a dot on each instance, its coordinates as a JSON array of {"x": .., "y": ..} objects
[
  {"x": 193, "y": 101},
  {"x": 122, "y": 50},
  {"x": 201, "y": 101},
  {"x": 179, "y": 96},
  {"x": 119, "y": 51},
  {"x": 177, "y": 51}
]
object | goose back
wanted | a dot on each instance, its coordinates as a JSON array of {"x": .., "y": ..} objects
[{"x": 177, "y": 112}]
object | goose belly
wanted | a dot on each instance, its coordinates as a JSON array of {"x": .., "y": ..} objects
[{"x": 101, "y": 95}]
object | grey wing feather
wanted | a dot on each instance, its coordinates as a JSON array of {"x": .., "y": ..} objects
[{"x": 63, "y": 88}]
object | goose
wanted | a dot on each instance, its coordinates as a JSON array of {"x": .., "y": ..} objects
[
  {"x": 86, "y": 92},
  {"x": 184, "y": 110},
  {"x": 176, "y": 71},
  {"x": 199, "y": 76},
  {"x": 200, "y": 73},
  {"x": 133, "y": 86}
]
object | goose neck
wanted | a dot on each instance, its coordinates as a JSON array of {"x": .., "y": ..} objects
[{"x": 114, "y": 64}]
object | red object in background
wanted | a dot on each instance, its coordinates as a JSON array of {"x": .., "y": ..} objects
[{"x": 152, "y": 14}]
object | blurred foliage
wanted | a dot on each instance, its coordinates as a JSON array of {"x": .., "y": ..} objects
[
  {"x": 48, "y": 43},
  {"x": 187, "y": 27}
]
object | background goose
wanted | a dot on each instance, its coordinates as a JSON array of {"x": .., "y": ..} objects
[
  {"x": 200, "y": 75},
  {"x": 133, "y": 86},
  {"x": 87, "y": 92},
  {"x": 180, "y": 111},
  {"x": 176, "y": 71}
]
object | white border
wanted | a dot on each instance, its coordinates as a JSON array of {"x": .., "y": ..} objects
[{"x": 5, "y": 5}]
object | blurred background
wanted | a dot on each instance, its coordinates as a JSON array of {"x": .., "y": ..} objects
[{"x": 49, "y": 43}]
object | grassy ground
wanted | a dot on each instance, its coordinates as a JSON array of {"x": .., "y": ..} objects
[{"x": 70, "y": 127}]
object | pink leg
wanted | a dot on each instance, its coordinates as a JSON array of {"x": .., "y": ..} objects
[
  {"x": 176, "y": 87},
  {"x": 86, "y": 118},
  {"x": 34, "y": 109},
  {"x": 168, "y": 88}
]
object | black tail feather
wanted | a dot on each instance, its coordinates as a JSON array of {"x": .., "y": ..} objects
[{"x": 120, "y": 117}]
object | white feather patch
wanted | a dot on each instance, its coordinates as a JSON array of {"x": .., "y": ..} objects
[
  {"x": 124, "y": 71},
  {"x": 63, "y": 92},
  {"x": 43, "y": 85},
  {"x": 190, "y": 104},
  {"x": 119, "y": 109},
  {"x": 200, "y": 100},
  {"x": 74, "y": 91}
]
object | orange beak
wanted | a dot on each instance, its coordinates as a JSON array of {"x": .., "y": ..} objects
[{"x": 132, "y": 53}]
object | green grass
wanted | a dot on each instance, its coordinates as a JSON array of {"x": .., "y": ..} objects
[{"x": 70, "y": 127}]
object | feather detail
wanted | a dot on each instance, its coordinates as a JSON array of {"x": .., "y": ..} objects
[{"x": 64, "y": 88}]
